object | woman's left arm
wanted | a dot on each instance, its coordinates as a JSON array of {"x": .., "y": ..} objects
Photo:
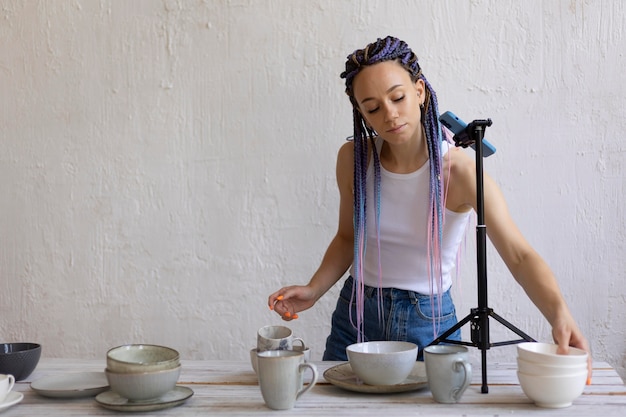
[{"x": 527, "y": 267}]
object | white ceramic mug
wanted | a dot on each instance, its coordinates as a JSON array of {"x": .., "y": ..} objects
[
  {"x": 301, "y": 349},
  {"x": 448, "y": 370},
  {"x": 281, "y": 377},
  {"x": 276, "y": 338},
  {"x": 6, "y": 385},
  {"x": 304, "y": 350}
]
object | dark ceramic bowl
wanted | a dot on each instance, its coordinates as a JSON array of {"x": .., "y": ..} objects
[{"x": 19, "y": 359}]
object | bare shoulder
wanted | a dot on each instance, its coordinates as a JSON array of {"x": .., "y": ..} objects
[
  {"x": 459, "y": 179},
  {"x": 344, "y": 170}
]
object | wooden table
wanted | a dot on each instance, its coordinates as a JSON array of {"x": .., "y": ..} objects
[{"x": 231, "y": 389}]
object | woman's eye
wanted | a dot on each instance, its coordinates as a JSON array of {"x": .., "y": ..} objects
[
  {"x": 398, "y": 99},
  {"x": 373, "y": 110}
]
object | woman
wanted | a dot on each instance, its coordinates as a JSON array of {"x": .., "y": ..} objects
[{"x": 405, "y": 198}]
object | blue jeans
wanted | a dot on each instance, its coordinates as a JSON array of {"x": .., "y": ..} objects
[{"x": 407, "y": 316}]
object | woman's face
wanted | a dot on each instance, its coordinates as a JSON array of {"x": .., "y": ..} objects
[{"x": 389, "y": 101}]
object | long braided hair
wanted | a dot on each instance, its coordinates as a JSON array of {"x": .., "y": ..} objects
[{"x": 392, "y": 49}]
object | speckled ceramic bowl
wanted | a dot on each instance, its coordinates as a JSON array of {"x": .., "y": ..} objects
[
  {"x": 138, "y": 358},
  {"x": 383, "y": 362},
  {"x": 143, "y": 386},
  {"x": 19, "y": 359}
]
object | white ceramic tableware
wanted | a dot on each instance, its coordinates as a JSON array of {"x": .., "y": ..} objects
[
  {"x": 254, "y": 360},
  {"x": 536, "y": 368},
  {"x": 448, "y": 370},
  {"x": 281, "y": 377},
  {"x": 553, "y": 391},
  {"x": 344, "y": 377},
  {"x": 382, "y": 362},
  {"x": 546, "y": 353},
  {"x": 301, "y": 349},
  {"x": 71, "y": 385},
  {"x": 173, "y": 398},
  {"x": 6, "y": 385},
  {"x": 143, "y": 386},
  {"x": 141, "y": 358},
  {"x": 304, "y": 350},
  {"x": 276, "y": 338}
]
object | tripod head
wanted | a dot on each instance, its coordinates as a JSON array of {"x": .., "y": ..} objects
[{"x": 472, "y": 134}]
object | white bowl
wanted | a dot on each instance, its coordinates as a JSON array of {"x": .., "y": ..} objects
[
  {"x": 139, "y": 358},
  {"x": 545, "y": 353},
  {"x": 553, "y": 391},
  {"x": 535, "y": 368},
  {"x": 382, "y": 362},
  {"x": 143, "y": 386}
]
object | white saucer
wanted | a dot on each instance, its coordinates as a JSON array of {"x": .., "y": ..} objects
[
  {"x": 344, "y": 377},
  {"x": 12, "y": 398},
  {"x": 72, "y": 385},
  {"x": 113, "y": 401}
]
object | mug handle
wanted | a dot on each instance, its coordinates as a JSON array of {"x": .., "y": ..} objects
[
  {"x": 297, "y": 339},
  {"x": 301, "y": 368},
  {"x": 467, "y": 378},
  {"x": 11, "y": 379}
]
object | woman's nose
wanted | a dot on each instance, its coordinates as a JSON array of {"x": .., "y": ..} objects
[{"x": 390, "y": 112}]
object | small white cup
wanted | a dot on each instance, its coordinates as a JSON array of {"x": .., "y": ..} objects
[
  {"x": 6, "y": 385},
  {"x": 281, "y": 377},
  {"x": 448, "y": 370},
  {"x": 305, "y": 351},
  {"x": 276, "y": 338}
]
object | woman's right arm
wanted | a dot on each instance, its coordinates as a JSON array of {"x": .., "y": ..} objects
[{"x": 288, "y": 301}]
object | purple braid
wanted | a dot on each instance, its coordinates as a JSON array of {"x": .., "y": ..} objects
[{"x": 392, "y": 49}]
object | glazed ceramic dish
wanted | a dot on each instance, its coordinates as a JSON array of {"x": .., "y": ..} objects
[
  {"x": 73, "y": 385},
  {"x": 116, "y": 402},
  {"x": 344, "y": 377},
  {"x": 11, "y": 399}
]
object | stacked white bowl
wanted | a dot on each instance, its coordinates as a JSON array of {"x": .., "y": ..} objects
[{"x": 551, "y": 380}]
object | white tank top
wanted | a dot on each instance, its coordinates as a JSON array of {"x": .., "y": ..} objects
[{"x": 404, "y": 214}]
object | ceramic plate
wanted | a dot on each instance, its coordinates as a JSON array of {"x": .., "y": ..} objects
[
  {"x": 115, "y": 402},
  {"x": 74, "y": 385},
  {"x": 12, "y": 398},
  {"x": 343, "y": 377}
]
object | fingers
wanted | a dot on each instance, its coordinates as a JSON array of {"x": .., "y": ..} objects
[
  {"x": 566, "y": 338},
  {"x": 278, "y": 303}
]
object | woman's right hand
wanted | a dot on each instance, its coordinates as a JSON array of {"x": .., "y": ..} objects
[{"x": 289, "y": 301}]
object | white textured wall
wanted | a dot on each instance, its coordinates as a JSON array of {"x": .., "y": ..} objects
[{"x": 165, "y": 165}]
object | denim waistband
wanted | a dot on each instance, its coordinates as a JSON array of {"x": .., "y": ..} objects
[{"x": 390, "y": 293}]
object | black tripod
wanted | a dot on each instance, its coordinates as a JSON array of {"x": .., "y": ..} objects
[{"x": 479, "y": 317}]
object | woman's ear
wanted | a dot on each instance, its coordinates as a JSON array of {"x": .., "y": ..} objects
[{"x": 420, "y": 88}]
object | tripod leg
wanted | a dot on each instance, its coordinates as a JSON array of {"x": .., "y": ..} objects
[
  {"x": 484, "y": 388},
  {"x": 512, "y": 328},
  {"x": 451, "y": 330}
]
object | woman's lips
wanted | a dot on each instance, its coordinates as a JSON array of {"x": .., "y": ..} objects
[{"x": 396, "y": 129}]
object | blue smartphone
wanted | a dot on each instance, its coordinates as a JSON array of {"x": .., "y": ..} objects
[{"x": 456, "y": 126}]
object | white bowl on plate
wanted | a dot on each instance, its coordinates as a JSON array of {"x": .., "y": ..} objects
[
  {"x": 143, "y": 386},
  {"x": 382, "y": 362}
]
